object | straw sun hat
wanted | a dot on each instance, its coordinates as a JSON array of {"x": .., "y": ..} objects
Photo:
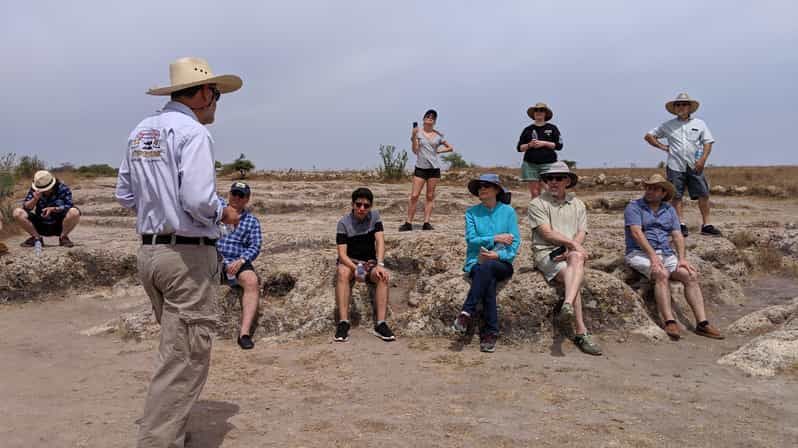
[
  {"x": 190, "y": 72},
  {"x": 658, "y": 180},
  {"x": 670, "y": 106},
  {"x": 531, "y": 111},
  {"x": 43, "y": 180}
]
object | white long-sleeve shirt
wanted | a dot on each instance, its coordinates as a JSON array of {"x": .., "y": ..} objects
[{"x": 168, "y": 175}]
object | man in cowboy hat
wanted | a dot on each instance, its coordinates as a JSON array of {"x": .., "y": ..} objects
[
  {"x": 649, "y": 222},
  {"x": 168, "y": 177},
  {"x": 689, "y": 145},
  {"x": 538, "y": 142},
  {"x": 559, "y": 227},
  {"x": 47, "y": 210}
]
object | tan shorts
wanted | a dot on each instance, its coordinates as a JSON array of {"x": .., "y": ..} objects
[{"x": 549, "y": 268}]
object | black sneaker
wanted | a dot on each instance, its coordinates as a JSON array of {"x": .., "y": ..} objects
[
  {"x": 245, "y": 342},
  {"x": 427, "y": 226},
  {"x": 383, "y": 332},
  {"x": 342, "y": 332},
  {"x": 30, "y": 242},
  {"x": 487, "y": 343},
  {"x": 710, "y": 230},
  {"x": 685, "y": 232},
  {"x": 406, "y": 227}
]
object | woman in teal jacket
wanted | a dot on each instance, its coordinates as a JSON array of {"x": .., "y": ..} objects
[{"x": 492, "y": 239}]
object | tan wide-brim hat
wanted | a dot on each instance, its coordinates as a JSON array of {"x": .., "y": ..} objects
[
  {"x": 657, "y": 179},
  {"x": 43, "y": 181},
  {"x": 561, "y": 167},
  {"x": 190, "y": 72},
  {"x": 682, "y": 97},
  {"x": 531, "y": 110}
]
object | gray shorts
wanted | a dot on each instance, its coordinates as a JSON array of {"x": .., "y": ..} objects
[{"x": 697, "y": 185}]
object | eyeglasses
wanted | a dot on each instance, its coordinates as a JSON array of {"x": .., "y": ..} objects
[
  {"x": 557, "y": 177},
  {"x": 363, "y": 205}
]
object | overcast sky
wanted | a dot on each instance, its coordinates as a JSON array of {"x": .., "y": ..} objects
[{"x": 325, "y": 83}]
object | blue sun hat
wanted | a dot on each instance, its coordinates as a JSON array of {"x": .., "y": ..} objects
[{"x": 473, "y": 186}]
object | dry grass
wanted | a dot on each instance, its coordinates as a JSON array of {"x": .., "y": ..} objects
[{"x": 742, "y": 239}]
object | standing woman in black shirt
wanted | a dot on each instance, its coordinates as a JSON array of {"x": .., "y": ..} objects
[{"x": 538, "y": 142}]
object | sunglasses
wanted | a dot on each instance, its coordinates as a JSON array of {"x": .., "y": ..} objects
[
  {"x": 538, "y": 110},
  {"x": 558, "y": 178},
  {"x": 363, "y": 205},
  {"x": 238, "y": 194},
  {"x": 681, "y": 104},
  {"x": 216, "y": 93}
]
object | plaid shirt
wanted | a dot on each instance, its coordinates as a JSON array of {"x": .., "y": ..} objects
[
  {"x": 61, "y": 198},
  {"x": 242, "y": 243}
]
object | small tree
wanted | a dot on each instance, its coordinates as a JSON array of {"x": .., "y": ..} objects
[
  {"x": 455, "y": 161},
  {"x": 242, "y": 165},
  {"x": 393, "y": 162},
  {"x": 28, "y": 166}
]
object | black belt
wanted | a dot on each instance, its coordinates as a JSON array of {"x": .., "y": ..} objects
[{"x": 177, "y": 239}]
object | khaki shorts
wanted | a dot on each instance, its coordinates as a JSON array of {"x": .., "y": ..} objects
[
  {"x": 549, "y": 268},
  {"x": 530, "y": 172},
  {"x": 639, "y": 261}
]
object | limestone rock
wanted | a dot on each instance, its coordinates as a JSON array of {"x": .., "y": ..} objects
[
  {"x": 766, "y": 355},
  {"x": 765, "y": 320}
]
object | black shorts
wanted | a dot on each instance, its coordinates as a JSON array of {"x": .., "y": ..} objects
[
  {"x": 50, "y": 226},
  {"x": 368, "y": 265},
  {"x": 427, "y": 173},
  {"x": 247, "y": 266}
]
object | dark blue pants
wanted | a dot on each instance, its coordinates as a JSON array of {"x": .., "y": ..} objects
[{"x": 484, "y": 278}]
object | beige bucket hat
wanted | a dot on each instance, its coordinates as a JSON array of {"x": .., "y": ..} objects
[
  {"x": 680, "y": 98},
  {"x": 561, "y": 167},
  {"x": 43, "y": 181},
  {"x": 531, "y": 110},
  {"x": 190, "y": 72},
  {"x": 657, "y": 179}
]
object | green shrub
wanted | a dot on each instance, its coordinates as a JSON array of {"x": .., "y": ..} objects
[
  {"x": 393, "y": 163},
  {"x": 97, "y": 170},
  {"x": 242, "y": 165},
  {"x": 28, "y": 166},
  {"x": 455, "y": 161}
]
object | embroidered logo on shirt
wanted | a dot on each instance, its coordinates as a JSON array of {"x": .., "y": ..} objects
[{"x": 147, "y": 144}]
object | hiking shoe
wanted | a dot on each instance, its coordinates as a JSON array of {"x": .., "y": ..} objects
[
  {"x": 427, "y": 226},
  {"x": 566, "y": 316},
  {"x": 64, "y": 241},
  {"x": 342, "y": 331},
  {"x": 685, "y": 232},
  {"x": 383, "y": 332},
  {"x": 406, "y": 227},
  {"x": 672, "y": 330},
  {"x": 710, "y": 230},
  {"x": 708, "y": 331},
  {"x": 586, "y": 344},
  {"x": 487, "y": 343},
  {"x": 30, "y": 242},
  {"x": 460, "y": 324},
  {"x": 245, "y": 342}
]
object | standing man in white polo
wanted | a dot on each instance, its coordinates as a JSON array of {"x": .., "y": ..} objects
[
  {"x": 167, "y": 176},
  {"x": 688, "y": 148}
]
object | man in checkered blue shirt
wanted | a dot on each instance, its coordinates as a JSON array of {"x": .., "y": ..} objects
[{"x": 239, "y": 249}]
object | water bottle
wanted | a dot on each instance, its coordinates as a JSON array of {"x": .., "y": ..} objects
[
  {"x": 37, "y": 248},
  {"x": 360, "y": 272},
  {"x": 534, "y": 134},
  {"x": 698, "y": 153}
]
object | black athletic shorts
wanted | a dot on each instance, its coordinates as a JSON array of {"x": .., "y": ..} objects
[
  {"x": 247, "y": 266},
  {"x": 53, "y": 225},
  {"x": 427, "y": 173}
]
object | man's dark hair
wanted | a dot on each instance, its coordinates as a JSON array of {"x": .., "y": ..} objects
[
  {"x": 431, "y": 113},
  {"x": 187, "y": 92},
  {"x": 364, "y": 193}
]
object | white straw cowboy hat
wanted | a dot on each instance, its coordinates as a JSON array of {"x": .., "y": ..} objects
[
  {"x": 531, "y": 111},
  {"x": 560, "y": 167},
  {"x": 190, "y": 72},
  {"x": 43, "y": 181},
  {"x": 682, "y": 98},
  {"x": 658, "y": 180}
]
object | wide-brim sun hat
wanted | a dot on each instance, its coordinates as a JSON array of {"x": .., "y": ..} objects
[
  {"x": 43, "y": 180},
  {"x": 682, "y": 98},
  {"x": 190, "y": 72},
  {"x": 561, "y": 167},
  {"x": 531, "y": 110},
  {"x": 473, "y": 186},
  {"x": 658, "y": 180}
]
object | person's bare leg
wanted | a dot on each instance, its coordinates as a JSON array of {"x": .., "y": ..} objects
[
  {"x": 677, "y": 204},
  {"x": 71, "y": 220},
  {"x": 415, "y": 193},
  {"x": 703, "y": 205},
  {"x": 380, "y": 295},
  {"x": 573, "y": 274},
  {"x": 431, "y": 184},
  {"x": 692, "y": 292},
  {"x": 343, "y": 290},
  {"x": 21, "y": 217},
  {"x": 534, "y": 188},
  {"x": 580, "y": 322},
  {"x": 249, "y": 302},
  {"x": 662, "y": 294}
]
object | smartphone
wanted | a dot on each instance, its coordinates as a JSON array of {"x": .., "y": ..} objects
[
  {"x": 415, "y": 124},
  {"x": 557, "y": 252}
]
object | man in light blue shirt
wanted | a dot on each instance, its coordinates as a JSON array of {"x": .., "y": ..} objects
[{"x": 167, "y": 176}]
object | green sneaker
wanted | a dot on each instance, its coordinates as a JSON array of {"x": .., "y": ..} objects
[
  {"x": 567, "y": 315},
  {"x": 586, "y": 344}
]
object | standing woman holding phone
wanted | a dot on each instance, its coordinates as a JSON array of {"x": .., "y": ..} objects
[
  {"x": 427, "y": 142},
  {"x": 538, "y": 142}
]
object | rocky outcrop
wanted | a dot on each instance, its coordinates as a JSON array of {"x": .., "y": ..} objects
[{"x": 765, "y": 320}]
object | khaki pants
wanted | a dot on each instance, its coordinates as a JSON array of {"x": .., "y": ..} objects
[{"x": 180, "y": 281}]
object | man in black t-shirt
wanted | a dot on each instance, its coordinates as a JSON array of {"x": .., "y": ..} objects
[
  {"x": 361, "y": 251},
  {"x": 538, "y": 142}
]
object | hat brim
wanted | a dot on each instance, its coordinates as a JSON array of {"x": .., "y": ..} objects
[
  {"x": 225, "y": 84},
  {"x": 473, "y": 186},
  {"x": 670, "y": 190},
  {"x": 48, "y": 187},
  {"x": 530, "y": 113},
  {"x": 669, "y": 106}
]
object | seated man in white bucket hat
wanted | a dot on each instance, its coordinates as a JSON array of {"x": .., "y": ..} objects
[
  {"x": 649, "y": 223},
  {"x": 168, "y": 177},
  {"x": 559, "y": 227},
  {"x": 47, "y": 211}
]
